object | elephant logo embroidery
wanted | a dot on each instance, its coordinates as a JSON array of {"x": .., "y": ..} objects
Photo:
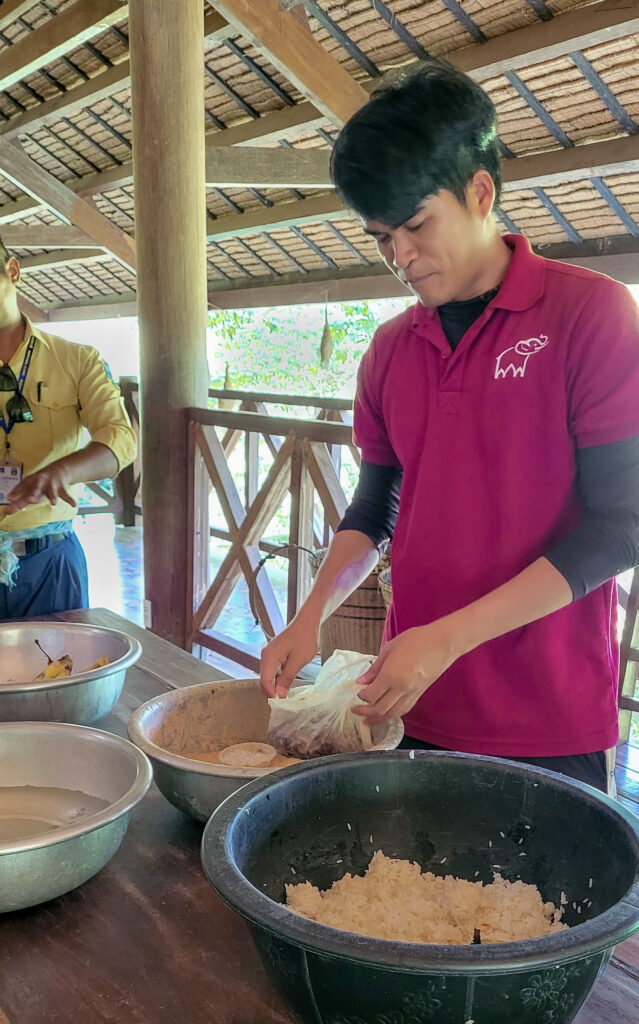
[{"x": 513, "y": 360}]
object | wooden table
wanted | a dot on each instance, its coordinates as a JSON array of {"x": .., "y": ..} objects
[{"x": 147, "y": 941}]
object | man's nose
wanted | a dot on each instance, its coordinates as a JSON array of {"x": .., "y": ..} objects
[{"x": 404, "y": 249}]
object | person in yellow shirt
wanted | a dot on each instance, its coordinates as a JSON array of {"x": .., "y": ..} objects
[{"x": 50, "y": 390}]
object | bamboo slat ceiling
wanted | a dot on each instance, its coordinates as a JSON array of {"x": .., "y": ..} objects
[{"x": 564, "y": 76}]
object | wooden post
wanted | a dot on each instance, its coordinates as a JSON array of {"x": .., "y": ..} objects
[
  {"x": 167, "y": 92},
  {"x": 301, "y": 529}
]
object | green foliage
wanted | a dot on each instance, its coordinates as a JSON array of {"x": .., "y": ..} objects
[{"x": 277, "y": 349}]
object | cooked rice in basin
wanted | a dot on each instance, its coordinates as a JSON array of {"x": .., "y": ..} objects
[{"x": 396, "y": 900}]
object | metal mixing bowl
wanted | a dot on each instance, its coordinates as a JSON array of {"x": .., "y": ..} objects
[
  {"x": 80, "y": 698},
  {"x": 210, "y": 716},
  {"x": 72, "y": 757}
]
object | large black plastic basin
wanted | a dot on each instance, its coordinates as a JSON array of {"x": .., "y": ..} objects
[{"x": 295, "y": 827}]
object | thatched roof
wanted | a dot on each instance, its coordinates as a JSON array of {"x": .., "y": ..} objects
[{"x": 563, "y": 75}]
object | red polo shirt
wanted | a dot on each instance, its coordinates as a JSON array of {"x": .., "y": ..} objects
[{"x": 486, "y": 437}]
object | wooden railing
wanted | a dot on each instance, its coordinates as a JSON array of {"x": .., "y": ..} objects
[
  {"x": 126, "y": 501},
  {"x": 303, "y": 463}
]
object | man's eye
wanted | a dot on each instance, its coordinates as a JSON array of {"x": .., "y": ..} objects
[
  {"x": 383, "y": 239},
  {"x": 416, "y": 227}
]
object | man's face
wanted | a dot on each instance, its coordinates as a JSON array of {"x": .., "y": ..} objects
[{"x": 439, "y": 251}]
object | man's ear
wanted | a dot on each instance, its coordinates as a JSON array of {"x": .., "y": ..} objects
[
  {"x": 13, "y": 270},
  {"x": 481, "y": 193}
]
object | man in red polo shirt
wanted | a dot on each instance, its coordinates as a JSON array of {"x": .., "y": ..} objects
[{"x": 505, "y": 405}]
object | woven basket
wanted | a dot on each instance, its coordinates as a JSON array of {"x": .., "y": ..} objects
[
  {"x": 385, "y": 587},
  {"x": 358, "y": 624}
]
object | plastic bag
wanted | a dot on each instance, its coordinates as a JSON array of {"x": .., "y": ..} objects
[{"x": 317, "y": 719}]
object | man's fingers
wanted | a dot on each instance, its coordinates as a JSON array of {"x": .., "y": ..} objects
[
  {"x": 70, "y": 500},
  {"x": 270, "y": 665},
  {"x": 380, "y": 709},
  {"x": 372, "y": 673},
  {"x": 287, "y": 676}
]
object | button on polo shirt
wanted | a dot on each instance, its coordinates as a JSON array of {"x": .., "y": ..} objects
[
  {"x": 486, "y": 436},
  {"x": 68, "y": 389}
]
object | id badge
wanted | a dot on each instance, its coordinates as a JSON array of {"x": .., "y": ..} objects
[{"x": 10, "y": 477}]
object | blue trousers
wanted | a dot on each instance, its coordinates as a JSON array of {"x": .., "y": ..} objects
[{"x": 53, "y": 580}]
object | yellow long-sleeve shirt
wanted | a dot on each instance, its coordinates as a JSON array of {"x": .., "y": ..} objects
[{"x": 68, "y": 389}]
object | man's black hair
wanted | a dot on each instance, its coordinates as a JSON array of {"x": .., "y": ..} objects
[{"x": 428, "y": 131}]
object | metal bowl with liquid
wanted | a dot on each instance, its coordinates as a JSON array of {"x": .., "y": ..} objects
[{"x": 66, "y": 795}]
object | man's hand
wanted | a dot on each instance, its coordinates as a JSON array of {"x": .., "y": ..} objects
[
  {"x": 52, "y": 483},
  {"x": 289, "y": 652},
  {"x": 405, "y": 669}
]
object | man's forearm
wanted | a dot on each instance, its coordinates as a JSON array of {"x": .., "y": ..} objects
[
  {"x": 350, "y": 558},
  {"x": 94, "y": 462},
  {"x": 537, "y": 591}
]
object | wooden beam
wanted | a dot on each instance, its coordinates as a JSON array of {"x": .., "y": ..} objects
[
  {"x": 216, "y": 28},
  {"x": 279, "y": 124},
  {"x": 45, "y": 236},
  {"x": 97, "y": 88},
  {"x": 256, "y": 167},
  {"x": 617, "y": 257},
  {"x": 11, "y": 10},
  {"x": 27, "y": 175},
  {"x": 523, "y": 47},
  {"x": 74, "y": 26},
  {"x": 282, "y": 215},
  {"x": 63, "y": 257},
  {"x": 615, "y": 156},
  {"x": 103, "y": 308},
  {"x": 297, "y": 55},
  {"x": 18, "y": 209},
  {"x": 267, "y": 168},
  {"x": 350, "y": 284},
  {"x": 544, "y": 40}
]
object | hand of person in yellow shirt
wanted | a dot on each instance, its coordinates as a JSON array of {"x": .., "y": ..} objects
[
  {"x": 51, "y": 483},
  {"x": 95, "y": 462}
]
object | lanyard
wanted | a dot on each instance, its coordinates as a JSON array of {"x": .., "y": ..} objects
[{"x": 8, "y": 427}]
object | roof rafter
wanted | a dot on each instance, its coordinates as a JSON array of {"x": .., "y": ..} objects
[
  {"x": 614, "y": 256},
  {"x": 47, "y": 260},
  {"x": 99, "y": 87},
  {"x": 74, "y": 26},
  {"x": 297, "y": 54},
  {"x": 65, "y": 204},
  {"x": 13, "y": 9},
  {"x": 45, "y": 236},
  {"x": 599, "y": 22},
  {"x": 617, "y": 156},
  {"x": 227, "y": 166}
]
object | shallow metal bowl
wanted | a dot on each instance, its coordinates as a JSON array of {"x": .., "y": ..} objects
[
  {"x": 47, "y": 755},
  {"x": 80, "y": 698},
  {"x": 210, "y": 716}
]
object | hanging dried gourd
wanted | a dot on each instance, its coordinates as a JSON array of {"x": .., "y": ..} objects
[
  {"x": 326, "y": 344},
  {"x": 226, "y": 403}
]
